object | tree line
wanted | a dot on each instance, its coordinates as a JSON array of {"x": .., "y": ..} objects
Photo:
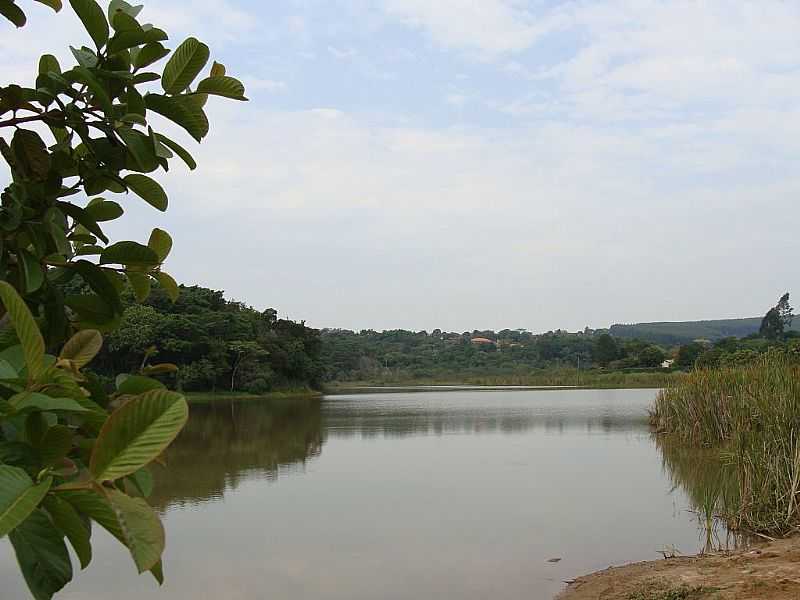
[
  {"x": 217, "y": 344},
  {"x": 224, "y": 345}
]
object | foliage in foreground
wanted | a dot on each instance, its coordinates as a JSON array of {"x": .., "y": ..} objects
[
  {"x": 751, "y": 414},
  {"x": 71, "y": 454}
]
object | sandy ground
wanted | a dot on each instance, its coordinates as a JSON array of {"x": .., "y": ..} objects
[{"x": 765, "y": 572}]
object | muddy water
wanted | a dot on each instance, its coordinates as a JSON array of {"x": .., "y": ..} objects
[{"x": 453, "y": 494}]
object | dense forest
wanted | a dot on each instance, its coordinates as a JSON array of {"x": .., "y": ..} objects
[{"x": 217, "y": 344}]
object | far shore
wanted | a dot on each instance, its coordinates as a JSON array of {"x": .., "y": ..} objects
[{"x": 210, "y": 397}]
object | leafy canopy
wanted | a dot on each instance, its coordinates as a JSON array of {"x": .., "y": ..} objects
[{"x": 79, "y": 144}]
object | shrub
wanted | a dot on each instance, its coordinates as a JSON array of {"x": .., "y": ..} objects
[{"x": 70, "y": 453}]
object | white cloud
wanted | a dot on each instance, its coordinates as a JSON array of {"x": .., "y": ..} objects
[
  {"x": 489, "y": 26},
  {"x": 268, "y": 85},
  {"x": 342, "y": 53},
  {"x": 647, "y": 60}
]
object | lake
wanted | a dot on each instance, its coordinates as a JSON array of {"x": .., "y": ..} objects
[{"x": 454, "y": 494}]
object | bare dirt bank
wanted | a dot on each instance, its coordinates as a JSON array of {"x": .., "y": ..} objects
[{"x": 766, "y": 572}]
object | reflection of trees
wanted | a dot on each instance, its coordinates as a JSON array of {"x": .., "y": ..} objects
[
  {"x": 709, "y": 483},
  {"x": 225, "y": 443},
  {"x": 367, "y": 420}
]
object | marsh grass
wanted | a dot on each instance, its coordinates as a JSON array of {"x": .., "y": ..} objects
[{"x": 751, "y": 416}]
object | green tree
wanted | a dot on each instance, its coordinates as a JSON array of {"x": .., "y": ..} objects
[
  {"x": 777, "y": 320},
  {"x": 688, "y": 354},
  {"x": 651, "y": 356},
  {"x": 605, "y": 349},
  {"x": 70, "y": 453}
]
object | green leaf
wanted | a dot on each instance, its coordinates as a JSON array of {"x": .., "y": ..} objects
[
  {"x": 120, "y": 5},
  {"x": 133, "y": 119},
  {"x": 12, "y": 12},
  {"x": 55, "y": 445},
  {"x": 82, "y": 217},
  {"x": 32, "y": 272},
  {"x": 7, "y": 371},
  {"x": 32, "y": 153},
  {"x": 82, "y": 347},
  {"x": 148, "y": 189},
  {"x": 136, "y": 433},
  {"x": 15, "y": 356},
  {"x": 67, "y": 519},
  {"x": 134, "y": 385},
  {"x": 27, "y": 331},
  {"x": 19, "y": 497},
  {"x": 161, "y": 243},
  {"x": 229, "y": 87},
  {"x": 54, "y": 4},
  {"x": 184, "y": 65},
  {"x": 85, "y": 56},
  {"x": 168, "y": 284},
  {"x": 179, "y": 150},
  {"x": 142, "y": 481},
  {"x": 49, "y": 64},
  {"x": 93, "y": 311},
  {"x": 130, "y": 254},
  {"x": 104, "y": 210},
  {"x": 145, "y": 77},
  {"x": 100, "y": 95},
  {"x": 135, "y": 102},
  {"x": 149, "y": 53},
  {"x": 97, "y": 279},
  {"x": 43, "y": 402},
  {"x": 42, "y": 556},
  {"x": 140, "y": 530},
  {"x": 217, "y": 70},
  {"x": 181, "y": 111},
  {"x": 141, "y": 149},
  {"x": 93, "y": 19},
  {"x": 141, "y": 527},
  {"x": 140, "y": 283}
]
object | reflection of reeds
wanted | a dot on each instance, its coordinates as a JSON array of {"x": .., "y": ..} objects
[
  {"x": 751, "y": 414},
  {"x": 710, "y": 485}
]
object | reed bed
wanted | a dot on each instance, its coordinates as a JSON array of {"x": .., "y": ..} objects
[{"x": 751, "y": 415}]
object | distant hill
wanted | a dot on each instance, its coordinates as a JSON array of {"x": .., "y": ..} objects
[{"x": 686, "y": 331}]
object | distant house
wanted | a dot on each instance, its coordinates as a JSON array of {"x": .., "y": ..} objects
[
  {"x": 667, "y": 364},
  {"x": 482, "y": 340}
]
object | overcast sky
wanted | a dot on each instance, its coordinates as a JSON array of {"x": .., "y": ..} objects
[{"x": 469, "y": 164}]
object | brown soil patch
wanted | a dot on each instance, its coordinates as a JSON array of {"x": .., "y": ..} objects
[{"x": 766, "y": 572}]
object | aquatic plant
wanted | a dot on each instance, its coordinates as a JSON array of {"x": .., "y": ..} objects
[{"x": 750, "y": 414}]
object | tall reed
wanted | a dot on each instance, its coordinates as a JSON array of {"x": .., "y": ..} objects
[{"x": 751, "y": 414}]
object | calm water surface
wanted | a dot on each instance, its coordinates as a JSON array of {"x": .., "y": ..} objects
[{"x": 459, "y": 494}]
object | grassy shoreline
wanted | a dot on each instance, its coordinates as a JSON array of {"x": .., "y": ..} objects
[
  {"x": 292, "y": 394},
  {"x": 750, "y": 416}
]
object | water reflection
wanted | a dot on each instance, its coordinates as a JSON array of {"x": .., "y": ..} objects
[
  {"x": 710, "y": 485},
  {"x": 226, "y": 443},
  {"x": 475, "y": 412},
  {"x": 457, "y": 494}
]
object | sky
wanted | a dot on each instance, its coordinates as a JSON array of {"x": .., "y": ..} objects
[{"x": 476, "y": 164}]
